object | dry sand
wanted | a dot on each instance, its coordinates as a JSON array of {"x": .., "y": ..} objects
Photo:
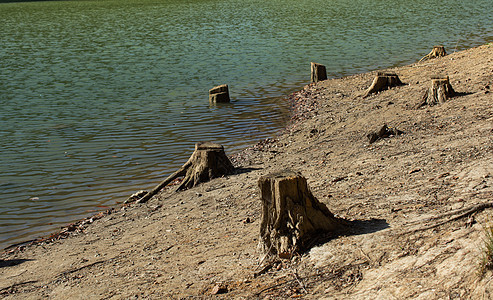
[{"x": 407, "y": 193}]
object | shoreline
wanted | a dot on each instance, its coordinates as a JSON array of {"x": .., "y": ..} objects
[
  {"x": 48, "y": 233},
  {"x": 184, "y": 244}
]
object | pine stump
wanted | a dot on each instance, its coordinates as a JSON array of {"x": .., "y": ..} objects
[
  {"x": 439, "y": 92},
  {"x": 438, "y": 51},
  {"x": 383, "y": 81},
  {"x": 208, "y": 161},
  {"x": 291, "y": 216},
  {"x": 318, "y": 72}
]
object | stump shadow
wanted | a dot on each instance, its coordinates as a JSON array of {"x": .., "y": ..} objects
[
  {"x": 245, "y": 170},
  {"x": 12, "y": 262},
  {"x": 349, "y": 228},
  {"x": 460, "y": 94}
]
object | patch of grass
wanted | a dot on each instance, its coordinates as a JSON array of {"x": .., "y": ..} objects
[{"x": 486, "y": 262}]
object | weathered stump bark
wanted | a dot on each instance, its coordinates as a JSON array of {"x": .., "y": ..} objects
[
  {"x": 439, "y": 92},
  {"x": 208, "y": 161},
  {"x": 318, "y": 72},
  {"x": 291, "y": 215},
  {"x": 383, "y": 81},
  {"x": 219, "y": 94},
  {"x": 438, "y": 51}
]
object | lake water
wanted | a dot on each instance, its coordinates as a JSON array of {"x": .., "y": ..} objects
[{"x": 99, "y": 99}]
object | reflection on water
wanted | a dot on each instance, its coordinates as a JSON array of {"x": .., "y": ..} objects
[{"x": 102, "y": 98}]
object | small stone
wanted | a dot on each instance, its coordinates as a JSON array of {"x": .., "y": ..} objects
[{"x": 219, "y": 289}]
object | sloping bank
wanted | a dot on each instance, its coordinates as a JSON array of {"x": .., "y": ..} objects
[{"x": 410, "y": 192}]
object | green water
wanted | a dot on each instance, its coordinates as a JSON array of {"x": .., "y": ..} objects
[{"x": 102, "y": 98}]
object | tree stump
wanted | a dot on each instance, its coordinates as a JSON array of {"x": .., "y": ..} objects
[
  {"x": 439, "y": 92},
  {"x": 219, "y": 94},
  {"x": 291, "y": 215},
  {"x": 318, "y": 72},
  {"x": 208, "y": 161},
  {"x": 438, "y": 51},
  {"x": 383, "y": 132},
  {"x": 383, "y": 81}
]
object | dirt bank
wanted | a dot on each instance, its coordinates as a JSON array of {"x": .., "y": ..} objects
[{"x": 407, "y": 192}]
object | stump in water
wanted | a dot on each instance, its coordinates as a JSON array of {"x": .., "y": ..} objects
[
  {"x": 219, "y": 94},
  {"x": 439, "y": 92},
  {"x": 383, "y": 81},
  {"x": 208, "y": 161},
  {"x": 291, "y": 215},
  {"x": 318, "y": 72},
  {"x": 438, "y": 51}
]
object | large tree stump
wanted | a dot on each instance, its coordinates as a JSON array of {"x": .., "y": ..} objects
[
  {"x": 291, "y": 215},
  {"x": 439, "y": 92},
  {"x": 219, "y": 94},
  {"x": 208, "y": 161},
  {"x": 438, "y": 51},
  {"x": 318, "y": 72},
  {"x": 383, "y": 81}
]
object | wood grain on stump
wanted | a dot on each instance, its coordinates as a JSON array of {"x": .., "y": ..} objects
[
  {"x": 383, "y": 81},
  {"x": 318, "y": 72},
  {"x": 291, "y": 215}
]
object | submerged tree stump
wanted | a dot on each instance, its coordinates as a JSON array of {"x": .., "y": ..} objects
[
  {"x": 439, "y": 92},
  {"x": 438, "y": 51},
  {"x": 318, "y": 72},
  {"x": 208, "y": 161},
  {"x": 291, "y": 215},
  {"x": 383, "y": 81},
  {"x": 219, "y": 94}
]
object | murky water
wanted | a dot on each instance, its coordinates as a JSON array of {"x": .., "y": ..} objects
[{"x": 99, "y": 99}]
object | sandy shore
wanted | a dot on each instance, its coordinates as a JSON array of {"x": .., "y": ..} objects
[{"x": 410, "y": 193}]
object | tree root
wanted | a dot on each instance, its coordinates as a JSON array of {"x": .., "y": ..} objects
[{"x": 457, "y": 214}]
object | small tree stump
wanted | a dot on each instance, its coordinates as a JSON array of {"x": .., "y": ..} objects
[
  {"x": 318, "y": 72},
  {"x": 383, "y": 81},
  {"x": 383, "y": 132},
  {"x": 208, "y": 161},
  {"x": 291, "y": 215},
  {"x": 439, "y": 92},
  {"x": 438, "y": 51},
  {"x": 219, "y": 94}
]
